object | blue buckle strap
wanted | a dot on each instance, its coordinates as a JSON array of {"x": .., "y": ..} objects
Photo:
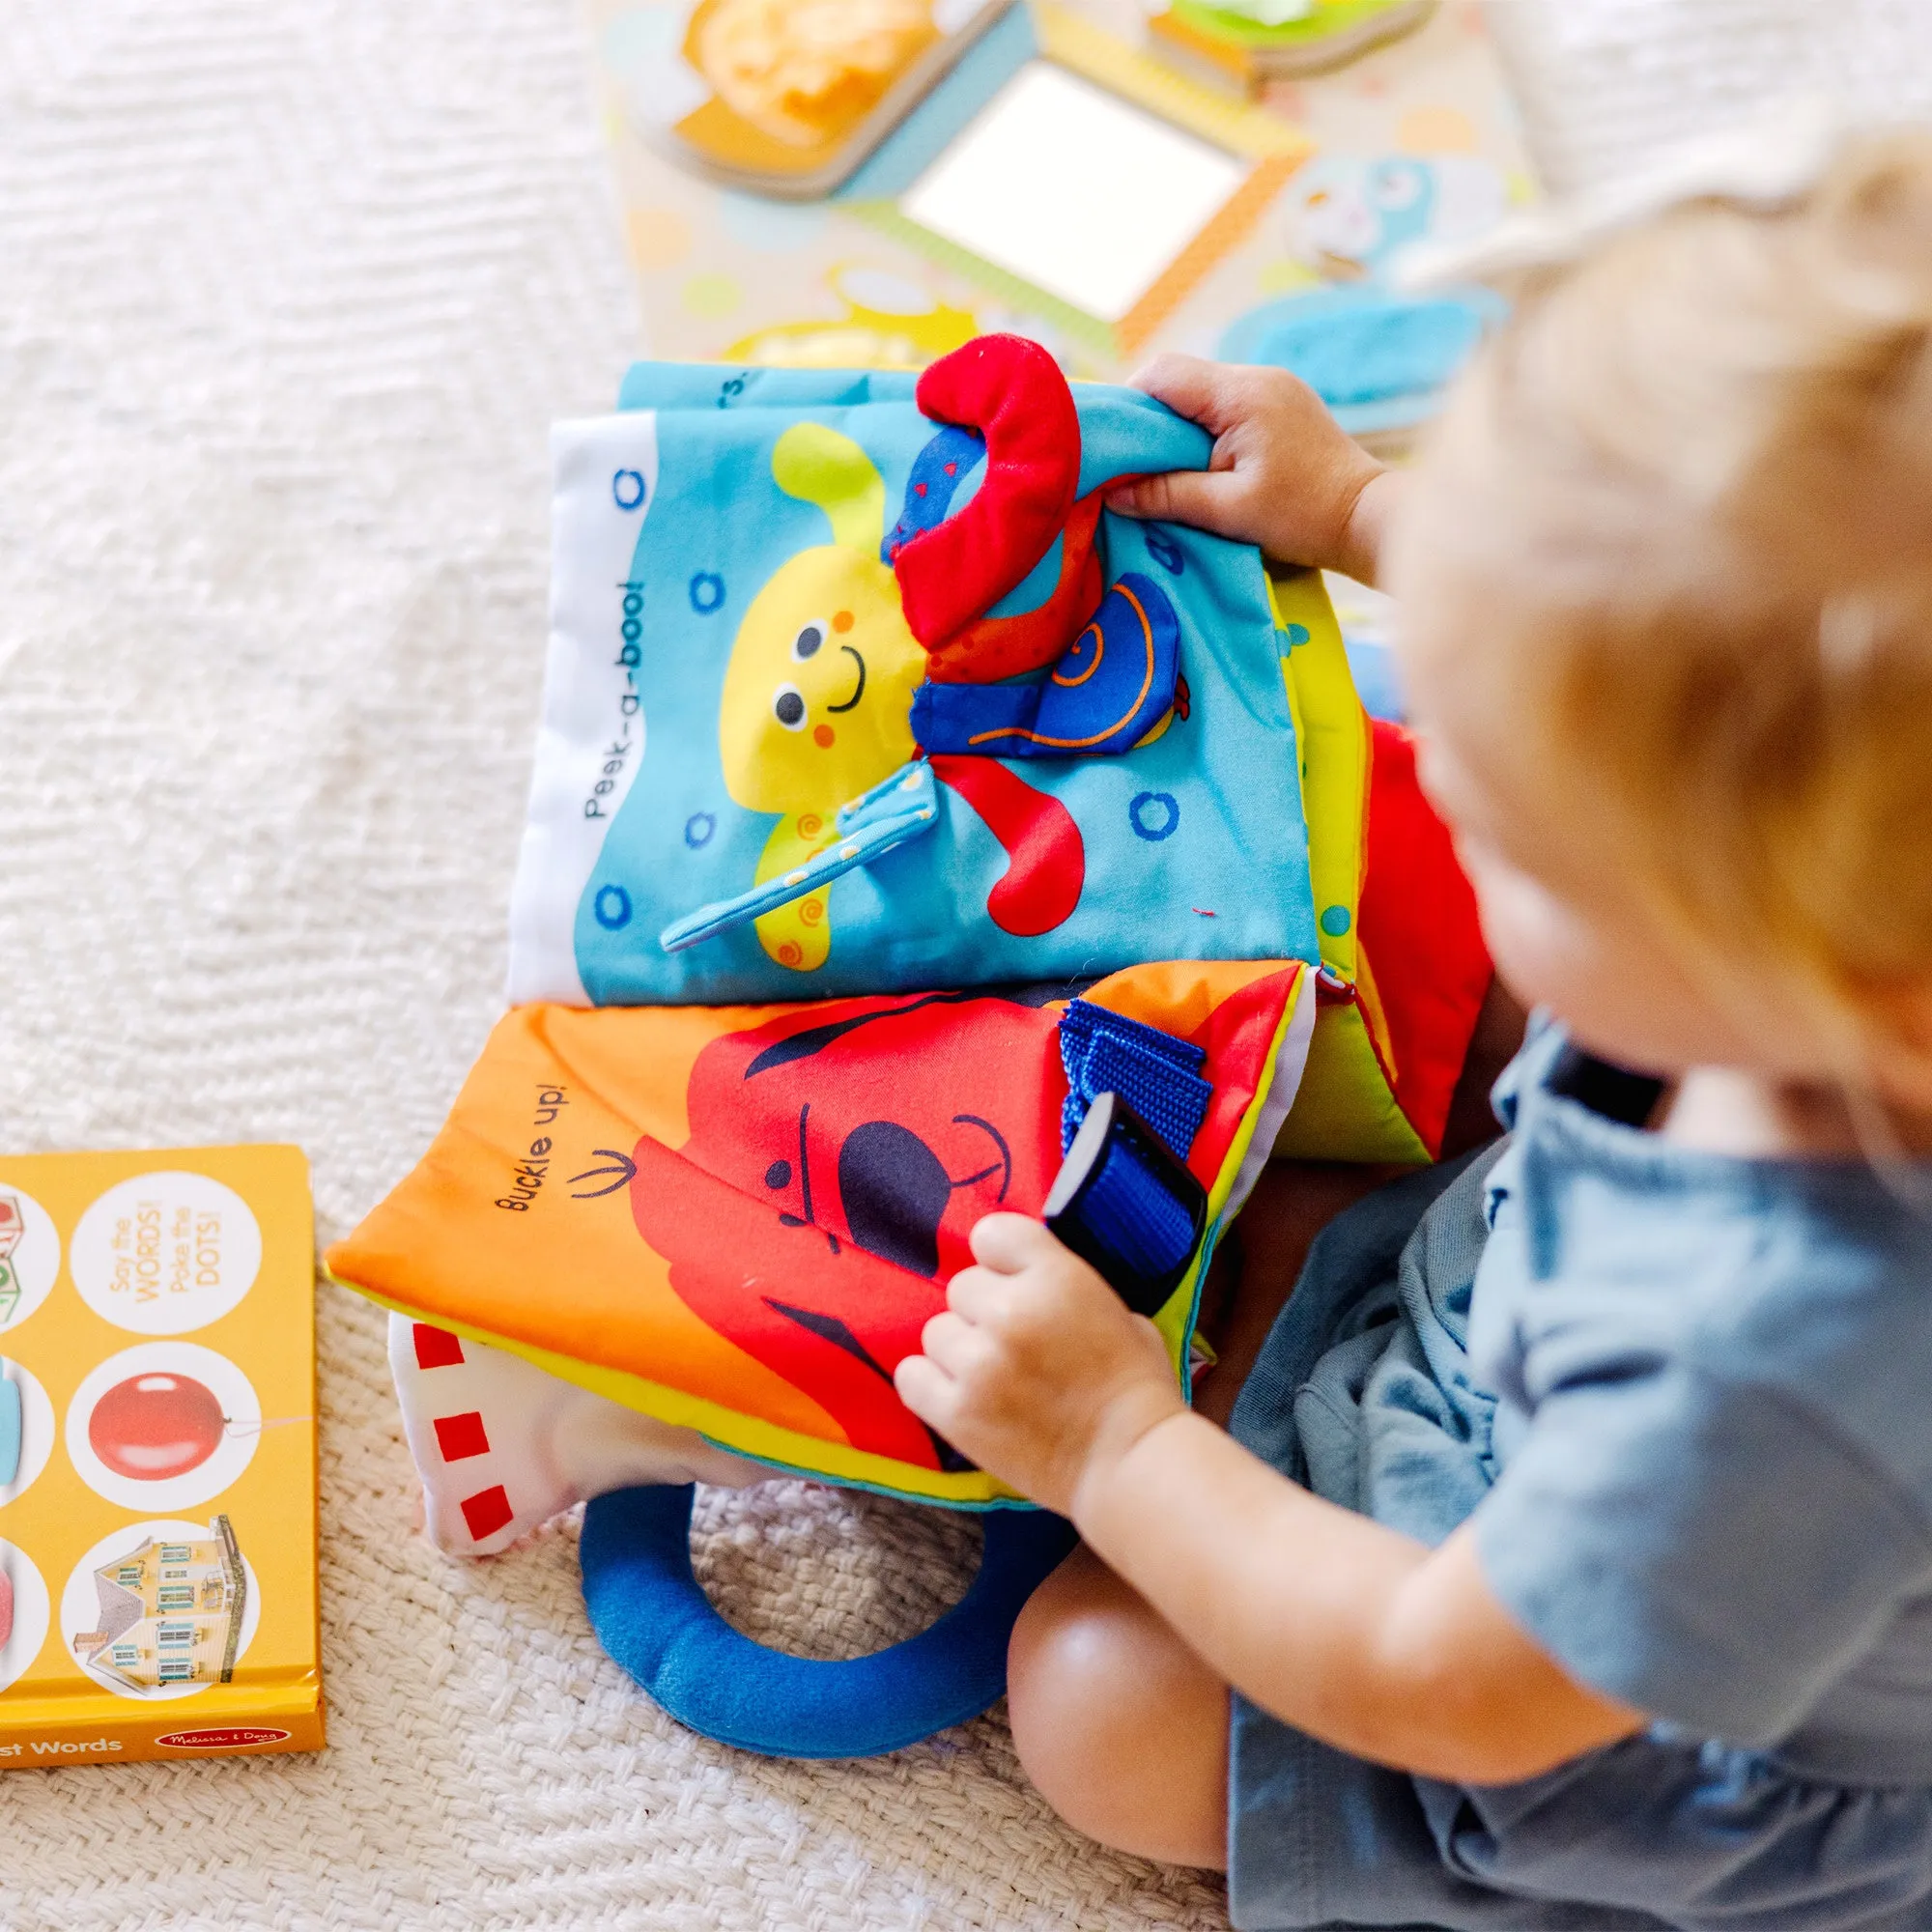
[
  {"x": 1124, "y": 1203},
  {"x": 1125, "y": 1200},
  {"x": 1157, "y": 1075}
]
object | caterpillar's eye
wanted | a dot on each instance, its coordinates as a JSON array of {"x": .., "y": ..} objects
[
  {"x": 789, "y": 707},
  {"x": 809, "y": 638}
]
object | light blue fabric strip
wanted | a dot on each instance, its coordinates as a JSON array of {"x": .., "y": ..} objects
[
  {"x": 901, "y": 807},
  {"x": 735, "y": 385},
  {"x": 9, "y": 1432}
]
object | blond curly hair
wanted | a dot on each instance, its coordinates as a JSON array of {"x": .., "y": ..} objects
[{"x": 1669, "y": 556}]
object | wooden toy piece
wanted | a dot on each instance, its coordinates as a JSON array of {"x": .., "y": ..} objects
[
  {"x": 788, "y": 96},
  {"x": 1246, "y": 43}
]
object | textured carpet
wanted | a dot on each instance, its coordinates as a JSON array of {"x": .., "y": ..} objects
[
  {"x": 1605, "y": 84},
  {"x": 288, "y": 292}
]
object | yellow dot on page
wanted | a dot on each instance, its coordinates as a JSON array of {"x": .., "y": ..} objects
[
  {"x": 660, "y": 237},
  {"x": 710, "y": 296}
]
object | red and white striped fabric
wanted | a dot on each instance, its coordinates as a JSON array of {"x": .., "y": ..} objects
[{"x": 501, "y": 1445}]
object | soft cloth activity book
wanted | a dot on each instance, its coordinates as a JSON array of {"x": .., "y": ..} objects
[
  {"x": 856, "y": 686},
  {"x": 660, "y": 1245},
  {"x": 157, "y": 1457},
  {"x": 736, "y": 1221},
  {"x": 905, "y": 819}
]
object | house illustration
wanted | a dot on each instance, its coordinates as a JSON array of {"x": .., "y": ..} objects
[{"x": 170, "y": 1612}]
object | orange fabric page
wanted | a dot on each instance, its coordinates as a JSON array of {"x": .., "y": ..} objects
[{"x": 585, "y": 1286}]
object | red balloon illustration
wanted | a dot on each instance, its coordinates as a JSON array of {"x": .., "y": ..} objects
[{"x": 157, "y": 1426}]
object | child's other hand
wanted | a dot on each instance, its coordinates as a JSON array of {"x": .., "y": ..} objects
[
  {"x": 1284, "y": 474},
  {"x": 1037, "y": 1371}
]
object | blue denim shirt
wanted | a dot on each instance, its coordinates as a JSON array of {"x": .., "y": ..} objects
[
  {"x": 1712, "y": 1432},
  {"x": 1685, "y": 1402}
]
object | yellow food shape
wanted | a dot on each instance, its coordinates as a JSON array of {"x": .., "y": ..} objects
[
  {"x": 888, "y": 324},
  {"x": 802, "y": 71},
  {"x": 818, "y": 693}
]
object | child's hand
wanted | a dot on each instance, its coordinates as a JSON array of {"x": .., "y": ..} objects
[
  {"x": 1037, "y": 1371},
  {"x": 1284, "y": 474}
]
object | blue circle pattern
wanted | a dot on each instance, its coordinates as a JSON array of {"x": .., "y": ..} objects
[
  {"x": 1165, "y": 552},
  {"x": 1335, "y": 921},
  {"x": 627, "y": 489},
  {"x": 1297, "y": 633},
  {"x": 611, "y": 908},
  {"x": 1166, "y": 826},
  {"x": 707, "y": 592},
  {"x": 699, "y": 828}
]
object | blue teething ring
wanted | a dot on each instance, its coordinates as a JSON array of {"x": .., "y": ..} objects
[{"x": 651, "y": 1614}]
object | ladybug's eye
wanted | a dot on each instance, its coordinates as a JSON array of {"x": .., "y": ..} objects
[
  {"x": 789, "y": 707},
  {"x": 806, "y": 644}
]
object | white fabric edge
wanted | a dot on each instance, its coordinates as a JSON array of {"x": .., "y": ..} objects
[
  {"x": 592, "y": 706},
  {"x": 1289, "y": 1063}
]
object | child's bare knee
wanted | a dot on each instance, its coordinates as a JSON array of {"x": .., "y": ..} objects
[
  {"x": 1117, "y": 1725},
  {"x": 1064, "y": 1678}
]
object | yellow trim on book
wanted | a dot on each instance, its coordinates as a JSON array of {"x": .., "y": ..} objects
[
  {"x": 1072, "y": 41},
  {"x": 1175, "y": 1319},
  {"x": 1345, "y": 1108},
  {"x": 1332, "y": 732}
]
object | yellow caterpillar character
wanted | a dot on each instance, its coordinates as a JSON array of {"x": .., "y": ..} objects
[{"x": 818, "y": 692}]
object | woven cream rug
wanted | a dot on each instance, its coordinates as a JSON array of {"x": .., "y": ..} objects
[
  {"x": 1604, "y": 85},
  {"x": 288, "y": 292}
]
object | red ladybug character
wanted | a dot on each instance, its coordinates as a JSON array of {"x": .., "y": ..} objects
[{"x": 839, "y": 1159}]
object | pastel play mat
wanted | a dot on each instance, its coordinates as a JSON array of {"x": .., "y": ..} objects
[{"x": 271, "y": 676}]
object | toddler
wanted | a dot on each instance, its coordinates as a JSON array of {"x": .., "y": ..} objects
[{"x": 1570, "y": 1561}]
